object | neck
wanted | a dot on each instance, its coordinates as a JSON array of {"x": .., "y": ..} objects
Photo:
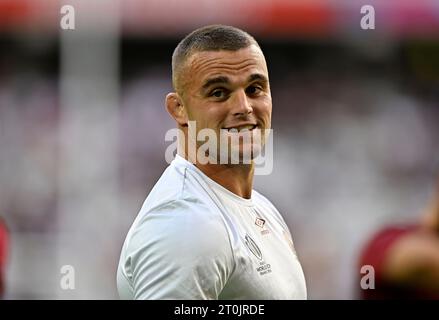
[{"x": 237, "y": 178}]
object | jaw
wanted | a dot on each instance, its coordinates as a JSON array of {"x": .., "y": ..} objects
[{"x": 225, "y": 146}]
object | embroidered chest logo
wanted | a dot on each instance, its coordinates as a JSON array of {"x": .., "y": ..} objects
[
  {"x": 263, "y": 267},
  {"x": 253, "y": 247},
  {"x": 261, "y": 224}
]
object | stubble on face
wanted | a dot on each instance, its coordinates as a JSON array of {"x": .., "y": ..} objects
[{"x": 234, "y": 65}]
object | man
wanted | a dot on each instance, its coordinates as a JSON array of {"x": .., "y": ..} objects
[
  {"x": 203, "y": 233},
  {"x": 405, "y": 258}
]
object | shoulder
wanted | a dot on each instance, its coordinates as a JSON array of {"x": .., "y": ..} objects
[
  {"x": 405, "y": 257},
  {"x": 169, "y": 187},
  {"x": 176, "y": 187},
  {"x": 180, "y": 241},
  {"x": 179, "y": 250},
  {"x": 262, "y": 201},
  {"x": 376, "y": 249},
  {"x": 183, "y": 215},
  {"x": 183, "y": 226}
]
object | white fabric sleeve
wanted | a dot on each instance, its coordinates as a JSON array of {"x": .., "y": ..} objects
[{"x": 179, "y": 251}]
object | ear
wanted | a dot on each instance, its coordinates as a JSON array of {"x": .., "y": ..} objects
[{"x": 176, "y": 109}]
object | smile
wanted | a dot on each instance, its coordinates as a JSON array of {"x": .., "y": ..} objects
[{"x": 242, "y": 128}]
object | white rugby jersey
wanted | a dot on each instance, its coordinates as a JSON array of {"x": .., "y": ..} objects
[{"x": 194, "y": 239}]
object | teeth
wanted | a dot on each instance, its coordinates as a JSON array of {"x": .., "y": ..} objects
[{"x": 242, "y": 129}]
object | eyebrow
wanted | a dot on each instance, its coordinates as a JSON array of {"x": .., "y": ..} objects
[
  {"x": 226, "y": 80},
  {"x": 216, "y": 80},
  {"x": 258, "y": 77}
]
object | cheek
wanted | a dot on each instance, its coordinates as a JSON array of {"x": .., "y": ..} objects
[
  {"x": 207, "y": 115},
  {"x": 264, "y": 108},
  {"x": 195, "y": 110},
  {"x": 215, "y": 111}
]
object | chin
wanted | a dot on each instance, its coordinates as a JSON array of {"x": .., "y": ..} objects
[{"x": 247, "y": 153}]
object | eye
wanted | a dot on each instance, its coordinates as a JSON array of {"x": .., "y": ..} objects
[
  {"x": 218, "y": 93},
  {"x": 254, "y": 90}
]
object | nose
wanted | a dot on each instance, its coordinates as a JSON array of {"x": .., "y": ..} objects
[{"x": 241, "y": 105}]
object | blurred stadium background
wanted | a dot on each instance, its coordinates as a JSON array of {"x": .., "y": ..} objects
[{"x": 82, "y": 125}]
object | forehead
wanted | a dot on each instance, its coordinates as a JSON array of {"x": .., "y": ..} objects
[{"x": 233, "y": 64}]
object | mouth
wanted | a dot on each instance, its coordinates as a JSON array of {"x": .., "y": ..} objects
[{"x": 242, "y": 128}]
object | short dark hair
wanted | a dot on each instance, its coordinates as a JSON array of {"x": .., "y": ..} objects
[{"x": 209, "y": 38}]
